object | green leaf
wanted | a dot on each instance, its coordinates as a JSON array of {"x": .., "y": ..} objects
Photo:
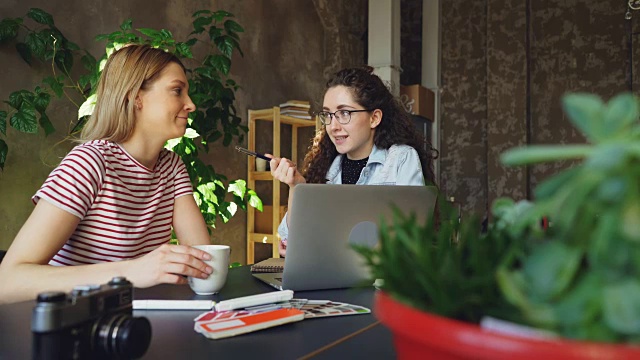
[
  {"x": 101, "y": 37},
  {"x": 622, "y": 306},
  {"x": 606, "y": 158},
  {"x": 238, "y": 188},
  {"x": 630, "y": 228},
  {"x": 88, "y": 61},
  {"x": 152, "y": 33},
  {"x": 214, "y": 33},
  {"x": 41, "y": 101},
  {"x": 582, "y": 304},
  {"x": 232, "y": 27},
  {"x": 46, "y": 124},
  {"x": 551, "y": 185},
  {"x": 226, "y": 141},
  {"x": 254, "y": 200},
  {"x": 550, "y": 269},
  {"x": 172, "y": 143},
  {"x": 166, "y": 34},
  {"x": 24, "y": 51},
  {"x": 16, "y": 98},
  {"x": 621, "y": 112},
  {"x": 55, "y": 84},
  {"x": 544, "y": 153},
  {"x": 64, "y": 60},
  {"x": 221, "y": 63},
  {"x": 36, "y": 44},
  {"x": 184, "y": 50},
  {"x": 221, "y": 14},
  {"x": 40, "y": 16},
  {"x": 86, "y": 109},
  {"x": 4, "y": 150},
  {"x": 72, "y": 46},
  {"x": 126, "y": 25},
  {"x": 191, "y": 133},
  {"x": 9, "y": 29},
  {"x": 25, "y": 119},
  {"x": 191, "y": 42},
  {"x": 225, "y": 45},
  {"x": 208, "y": 190},
  {"x": 586, "y": 113},
  {"x": 3, "y": 122},
  {"x": 199, "y": 24},
  {"x": 602, "y": 256}
]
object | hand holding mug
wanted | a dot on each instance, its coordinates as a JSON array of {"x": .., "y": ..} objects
[{"x": 219, "y": 262}]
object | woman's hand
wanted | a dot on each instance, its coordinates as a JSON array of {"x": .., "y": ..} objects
[
  {"x": 285, "y": 171},
  {"x": 282, "y": 247},
  {"x": 169, "y": 264}
]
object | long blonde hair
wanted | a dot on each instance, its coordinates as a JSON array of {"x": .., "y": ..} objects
[{"x": 129, "y": 69}]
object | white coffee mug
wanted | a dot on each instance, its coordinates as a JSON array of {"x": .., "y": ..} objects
[
  {"x": 261, "y": 164},
  {"x": 219, "y": 263}
]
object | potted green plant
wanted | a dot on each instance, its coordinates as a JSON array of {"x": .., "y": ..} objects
[{"x": 575, "y": 284}]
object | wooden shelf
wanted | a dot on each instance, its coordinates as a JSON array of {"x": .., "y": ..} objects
[
  {"x": 260, "y": 175},
  {"x": 272, "y": 115}
]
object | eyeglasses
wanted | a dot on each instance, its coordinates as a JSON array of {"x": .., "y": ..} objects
[{"x": 343, "y": 116}]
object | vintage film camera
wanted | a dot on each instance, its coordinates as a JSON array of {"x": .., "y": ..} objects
[{"x": 90, "y": 322}]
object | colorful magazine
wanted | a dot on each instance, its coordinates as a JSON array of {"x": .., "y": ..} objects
[
  {"x": 217, "y": 325},
  {"x": 231, "y": 323}
]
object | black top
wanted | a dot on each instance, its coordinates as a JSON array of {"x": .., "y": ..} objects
[{"x": 351, "y": 169}]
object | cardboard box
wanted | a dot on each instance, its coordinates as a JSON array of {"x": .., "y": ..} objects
[
  {"x": 418, "y": 100},
  {"x": 264, "y": 219}
]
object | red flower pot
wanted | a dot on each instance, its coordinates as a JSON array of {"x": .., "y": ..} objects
[{"x": 420, "y": 335}]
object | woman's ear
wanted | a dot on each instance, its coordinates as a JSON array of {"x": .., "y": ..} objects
[
  {"x": 138, "y": 102},
  {"x": 376, "y": 118}
]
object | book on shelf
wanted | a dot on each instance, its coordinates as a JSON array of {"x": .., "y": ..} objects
[
  {"x": 292, "y": 112},
  {"x": 296, "y": 104},
  {"x": 271, "y": 265},
  {"x": 297, "y": 116}
]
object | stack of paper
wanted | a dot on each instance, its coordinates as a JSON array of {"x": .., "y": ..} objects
[
  {"x": 296, "y": 108},
  {"x": 222, "y": 324}
]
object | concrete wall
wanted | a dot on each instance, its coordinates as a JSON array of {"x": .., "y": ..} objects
[
  {"x": 289, "y": 49},
  {"x": 505, "y": 66}
]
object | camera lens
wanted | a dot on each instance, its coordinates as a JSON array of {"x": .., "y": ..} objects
[{"x": 122, "y": 336}]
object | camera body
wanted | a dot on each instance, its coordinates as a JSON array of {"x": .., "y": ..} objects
[{"x": 92, "y": 321}]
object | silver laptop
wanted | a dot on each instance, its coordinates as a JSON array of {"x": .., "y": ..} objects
[{"x": 327, "y": 219}]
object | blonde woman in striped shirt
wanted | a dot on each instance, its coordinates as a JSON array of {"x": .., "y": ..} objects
[{"x": 109, "y": 207}]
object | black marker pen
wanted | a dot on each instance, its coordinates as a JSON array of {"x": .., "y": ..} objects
[{"x": 258, "y": 155}]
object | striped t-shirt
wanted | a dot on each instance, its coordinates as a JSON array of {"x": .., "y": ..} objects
[{"x": 125, "y": 209}]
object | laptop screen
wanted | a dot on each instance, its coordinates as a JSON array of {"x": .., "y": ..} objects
[{"x": 325, "y": 220}]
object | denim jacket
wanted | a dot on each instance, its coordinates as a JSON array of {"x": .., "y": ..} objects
[{"x": 398, "y": 165}]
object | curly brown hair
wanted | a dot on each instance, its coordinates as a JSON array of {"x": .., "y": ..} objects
[{"x": 396, "y": 126}]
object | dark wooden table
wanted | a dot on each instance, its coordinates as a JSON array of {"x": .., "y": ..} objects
[{"x": 342, "y": 337}]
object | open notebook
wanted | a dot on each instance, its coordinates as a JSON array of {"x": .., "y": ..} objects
[
  {"x": 326, "y": 220},
  {"x": 272, "y": 265}
]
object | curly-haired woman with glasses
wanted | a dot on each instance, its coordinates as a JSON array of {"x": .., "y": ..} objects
[{"x": 367, "y": 139}]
